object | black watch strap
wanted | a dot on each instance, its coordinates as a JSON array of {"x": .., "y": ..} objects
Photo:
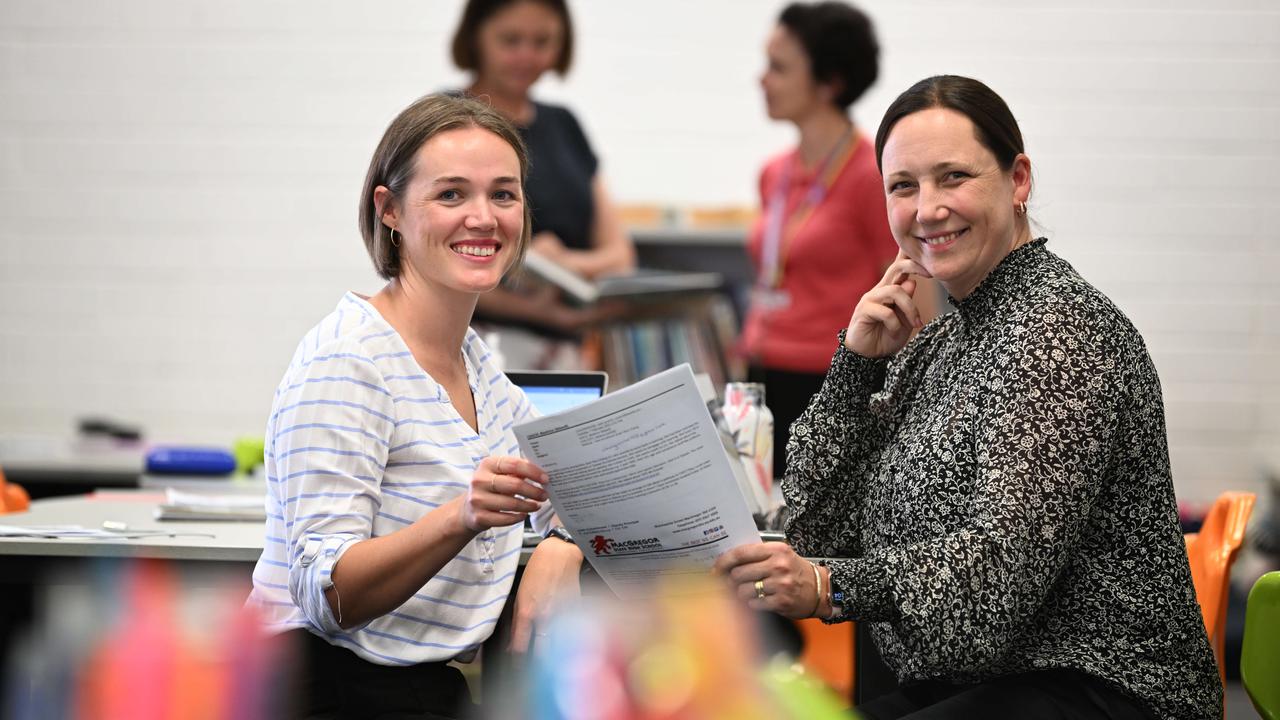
[{"x": 559, "y": 532}]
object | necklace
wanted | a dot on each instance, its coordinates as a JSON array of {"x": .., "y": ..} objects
[{"x": 782, "y": 227}]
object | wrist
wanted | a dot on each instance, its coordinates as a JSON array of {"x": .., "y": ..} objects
[
  {"x": 832, "y": 602},
  {"x": 817, "y": 589},
  {"x": 558, "y": 532},
  {"x": 457, "y": 525},
  {"x": 823, "y": 608},
  {"x": 556, "y": 544}
]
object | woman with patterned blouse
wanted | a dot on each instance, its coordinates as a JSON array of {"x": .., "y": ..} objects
[{"x": 994, "y": 493}]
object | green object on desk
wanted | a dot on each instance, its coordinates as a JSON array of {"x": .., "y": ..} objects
[
  {"x": 249, "y": 452},
  {"x": 802, "y": 695},
  {"x": 1260, "y": 656}
]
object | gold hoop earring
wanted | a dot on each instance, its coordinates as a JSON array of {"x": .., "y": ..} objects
[
  {"x": 1022, "y": 208},
  {"x": 393, "y": 238}
]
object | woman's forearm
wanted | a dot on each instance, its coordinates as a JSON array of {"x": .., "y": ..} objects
[
  {"x": 375, "y": 576},
  {"x": 611, "y": 252},
  {"x": 507, "y": 304}
]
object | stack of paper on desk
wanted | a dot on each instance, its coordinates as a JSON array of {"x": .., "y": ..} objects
[
  {"x": 182, "y": 505},
  {"x": 642, "y": 481}
]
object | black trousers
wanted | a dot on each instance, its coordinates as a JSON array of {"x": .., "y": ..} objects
[
  {"x": 787, "y": 394},
  {"x": 1043, "y": 694},
  {"x": 336, "y": 683}
]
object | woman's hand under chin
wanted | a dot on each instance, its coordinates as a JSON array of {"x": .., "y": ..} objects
[{"x": 887, "y": 315}]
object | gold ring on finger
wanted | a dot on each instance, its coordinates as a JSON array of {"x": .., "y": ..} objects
[{"x": 760, "y": 589}]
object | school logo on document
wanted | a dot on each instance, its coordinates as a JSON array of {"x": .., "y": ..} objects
[{"x": 601, "y": 545}]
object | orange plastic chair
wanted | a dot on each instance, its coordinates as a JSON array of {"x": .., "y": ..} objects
[
  {"x": 13, "y": 498},
  {"x": 828, "y": 653},
  {"x": 1211, "y": 552}
]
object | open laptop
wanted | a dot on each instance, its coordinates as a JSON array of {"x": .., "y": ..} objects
[{"x": 554, "y": 391}]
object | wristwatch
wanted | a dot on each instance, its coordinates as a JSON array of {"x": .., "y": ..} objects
[
  {"x": 559, "y": 532},
  {"x": 835, "y": 594}
]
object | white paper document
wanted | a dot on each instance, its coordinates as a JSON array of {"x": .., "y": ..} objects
[
  {"x": 182, "y": 505},
  {"x": 641, "y": 480}
]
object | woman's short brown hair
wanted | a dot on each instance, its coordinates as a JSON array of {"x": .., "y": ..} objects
[
  {"x": 840, "y": 41},
  {"x": 392, "y": 165},
  {"x": 466, "y": 45}
]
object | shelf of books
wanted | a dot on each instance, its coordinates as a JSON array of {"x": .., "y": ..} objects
[{"x": 698, "y": 330}]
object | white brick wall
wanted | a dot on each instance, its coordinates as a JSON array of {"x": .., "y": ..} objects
[{"x": 178, "y": 179}]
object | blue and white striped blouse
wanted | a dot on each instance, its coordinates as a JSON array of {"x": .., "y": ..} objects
[{"x": 362, "y": 442}]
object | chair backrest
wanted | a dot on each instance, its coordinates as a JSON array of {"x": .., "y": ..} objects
[
  {"x": 1211, "y": 552},
  {"x": 828, "y": 652},
  {"x": 1260, "y": 656}
]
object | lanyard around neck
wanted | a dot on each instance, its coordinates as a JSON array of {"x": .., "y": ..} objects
[{"x": 780, "y": 227}]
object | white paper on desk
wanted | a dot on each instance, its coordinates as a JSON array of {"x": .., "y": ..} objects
[
  {"x": 50, "y": 531},
  {"x": 216, "y": 501},
  {"x": 180, "y": 505},
  {"x": 640, "y": 479},
  {"x": 79, "y": 531}
]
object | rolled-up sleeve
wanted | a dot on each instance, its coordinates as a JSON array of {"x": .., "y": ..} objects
[{"x": 330, "y": 441}]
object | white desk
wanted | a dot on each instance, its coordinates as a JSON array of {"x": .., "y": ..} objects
[{"x": 232, "y": 541}]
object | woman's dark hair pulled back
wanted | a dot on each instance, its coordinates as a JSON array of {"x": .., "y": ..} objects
[{"x": 992, "y": 120}]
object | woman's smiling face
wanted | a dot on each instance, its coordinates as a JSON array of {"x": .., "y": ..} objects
[
  {"x": 951, "y": 206},
  {"x": 462, "y": 215}
]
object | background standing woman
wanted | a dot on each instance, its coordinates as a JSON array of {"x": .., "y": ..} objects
[
  {"x": 994, "y": 495},
  {"x": 508, "y": 45},
  {"x": 821, "y": 239},
  {"x": 396, "y": 496}
]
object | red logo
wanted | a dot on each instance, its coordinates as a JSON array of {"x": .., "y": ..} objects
[{"x": 602, "y": 545}]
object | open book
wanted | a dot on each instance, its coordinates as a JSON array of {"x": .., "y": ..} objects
[{"x": 641, "y": 283}]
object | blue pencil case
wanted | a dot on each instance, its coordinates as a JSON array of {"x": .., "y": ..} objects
[{"x": 186, "y": 460}]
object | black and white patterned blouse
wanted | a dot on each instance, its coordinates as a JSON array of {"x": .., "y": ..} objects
[{"x": 1000, "y": 491}]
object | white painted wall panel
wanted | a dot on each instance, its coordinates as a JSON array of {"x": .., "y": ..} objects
[{"x": 178, "y": 179}]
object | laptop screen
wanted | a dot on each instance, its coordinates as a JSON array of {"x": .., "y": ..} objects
[{"x": 552, "y": 392}]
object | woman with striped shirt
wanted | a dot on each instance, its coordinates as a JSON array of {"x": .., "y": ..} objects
[{"x": 396, "y": 495}]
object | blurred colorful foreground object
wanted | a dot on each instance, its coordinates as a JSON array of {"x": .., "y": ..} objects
[
  {"x": 13, "y": 498},
  {"x": 138, "y": 660},
  {"x": 689, "y": 654}
]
